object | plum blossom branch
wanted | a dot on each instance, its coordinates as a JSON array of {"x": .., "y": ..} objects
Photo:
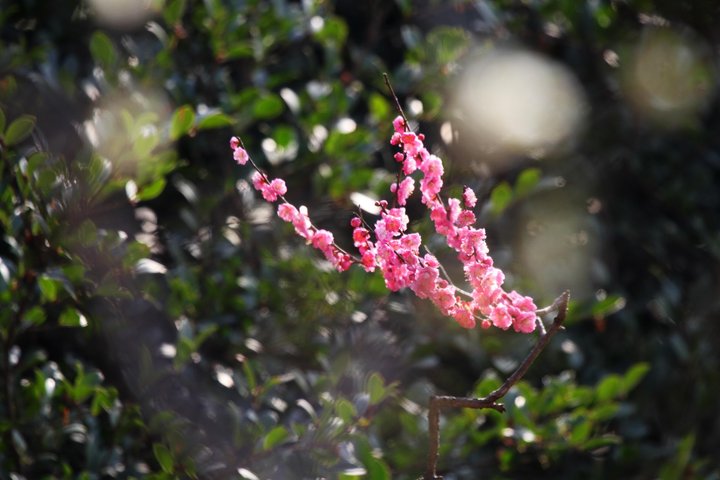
[
  {"x": 275, "y": 189},
  {"x": 439, "y": 403},
  {"x": 389, "y": 247}
]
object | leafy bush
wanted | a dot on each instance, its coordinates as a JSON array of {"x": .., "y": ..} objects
[{"x": 157, "y": 322}]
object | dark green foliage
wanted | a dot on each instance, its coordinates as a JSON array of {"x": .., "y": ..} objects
[{"x": 158, "y": 321}]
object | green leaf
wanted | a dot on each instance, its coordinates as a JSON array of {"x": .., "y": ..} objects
[
  {"x": 99, "y": 171},
  {"x": 268, "y": 106},
  {"x": 164, "y": 457},
  {"x": 500, "y": 197},
  {"x": 604, "y": 441},
  {"x": 345, "y": 410},
  {"x": 144, "y": 145},
  {"x": 215, "y": 120},
  {"x": 102, "y": 400},
  {"x": 376, "y": 388},
  {"x": 2, "y": 121},
  {"x": 70, "y": 317},
  {"x": 633, "y": 376},
  {"x": 448, "y": 43},
  {"x": 35, "y": 161},
  {"x": 377, "y": 469},
  {"x": 676, "y": 467},
  {"x": 174, "y": 10},
  {"x": 35, "y": 316},
  {"x": 48, "y": 288},
  {"x": 19, "y": 129},
  {"x": 609, "y": 388},
  {"x": 432, "y": 103},
  {"x": 274, "y": 437},
  {"x": 379, "y": 107},
  {"x": 283, "y": 135},
  {"x": 182, "y": 121},
  {"x": 334, "y": 32},
  {"x": 581, "y": 432},
  {"x": 609, "y": 305},
  {"x": 151, "y": 191},
  {"x": 87, "y": 233},
  {"x": 102, "y": 49},
  {"x": 526, "y": 181}
]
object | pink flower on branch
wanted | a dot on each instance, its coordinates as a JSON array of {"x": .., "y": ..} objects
[{"x": 388, "y": 247}]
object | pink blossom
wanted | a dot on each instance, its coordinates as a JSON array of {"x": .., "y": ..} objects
[
  {"x": 444, "y": 297},
  {"x": 274, "y": 189},
  {"x": 464, "y": 316},
  {"x": 469, "y": 198},
  {"x": 409, "y": 166},
  {"x": 287, "y": 212},
  {"x": 500, "y": 317},
  {"x": 388, "y": 246},
  {"x": 322, "y": 239},
  {"x": 368, "y": 261},
  {"x": 240, "y": 156},
  {"x": 466, "y": 218},
  {"x": 258, "y": 181},
  {"x": 425, "y": 280},
  {"x": 403, "y": 190}
]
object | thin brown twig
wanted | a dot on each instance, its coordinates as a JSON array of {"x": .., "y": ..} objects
[
  {"x": 438, "y": 403},
  {"x": 285, "y": 200},
  {"x": 397, "y": 102}
]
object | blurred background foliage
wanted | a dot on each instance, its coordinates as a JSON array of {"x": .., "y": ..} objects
[{"x": 158, "y": 321}]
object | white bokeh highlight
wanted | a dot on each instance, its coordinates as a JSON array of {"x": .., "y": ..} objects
[{"x": 517, "y": 102}]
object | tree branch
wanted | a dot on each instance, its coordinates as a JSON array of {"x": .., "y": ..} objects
[{"x": 438, "y": 403}]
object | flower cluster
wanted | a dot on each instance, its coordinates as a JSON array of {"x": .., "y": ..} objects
[{"x": 390, "y": 248}]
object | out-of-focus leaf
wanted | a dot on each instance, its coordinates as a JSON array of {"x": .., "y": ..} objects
[
  {"x": 19, "y": 129},
  {"x": 345, "y": 410},
  {"x": 35, "y": 315},
  {"x": 500, "y": 197},
  {"x": 448, "y": 43},
  {"x": 181, "y": 122},
  {"x": 215, "y": 120},
  {"x": 267, "y": 106},
  {"x": 102, "y": 49},
  {"x": 274, "y": 437},
  {"x": 70, "y": 317},
  {"x": 2, "y": 121},
  {"x": 633, "y": 376},
  {"x": 283, "y": 135},
  {"x": 581, "y": 432},
  {"x": 174, "y": 10},
  {"x": 376, "y": 388},
  {"x": 164, "y": 457},
  {"x": 376, "y": 469},
  {"x": 675, "y": 469},
  {"x": 526, "y": 181},
  {"x": 379, "y": 107},
  {"x": 87, "y": 233},
  {"x": 604, "y": 441},
  {"x": 610, "y": 387},
  {"x": 151, "y": 191},
  {"x": 48, "y": 288},
  {"x": 607, "y": 306},
  {"x": 334, "y": 32},
  {"x": 35, "y": 161}
]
